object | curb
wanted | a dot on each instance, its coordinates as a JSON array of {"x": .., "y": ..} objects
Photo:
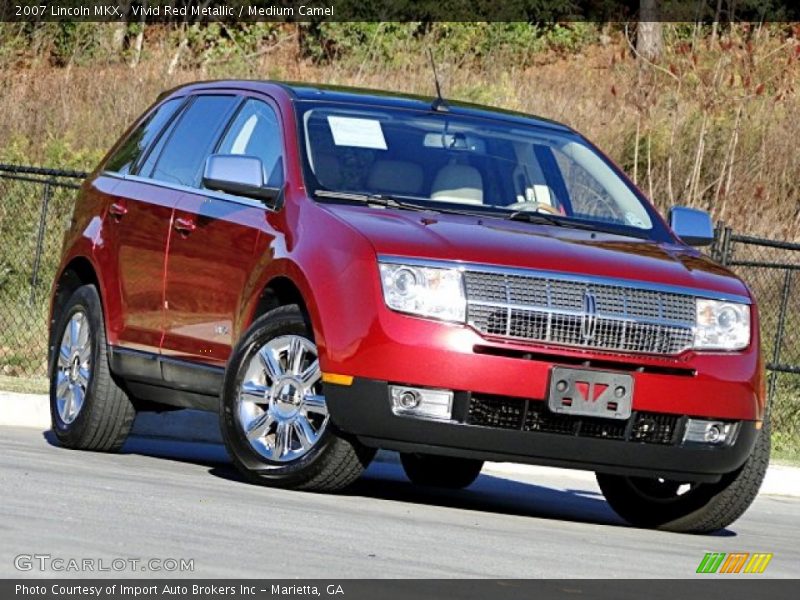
[
  {"x": 24, "y": 410},
  {"x": 195, "y": 426},
  {"x": 33, "y": 410}
]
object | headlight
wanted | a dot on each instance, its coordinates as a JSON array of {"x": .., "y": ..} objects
[
  {"x": 722, "y": 325},
  {"x": 425, "y": 291}
]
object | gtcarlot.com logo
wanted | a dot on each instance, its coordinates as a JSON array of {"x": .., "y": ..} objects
[
  {"x": 48, "y": 562},
  {"x": 734, "y": 562}
]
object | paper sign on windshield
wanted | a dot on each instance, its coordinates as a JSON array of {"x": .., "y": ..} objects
[{"x": 361, "y": 133}]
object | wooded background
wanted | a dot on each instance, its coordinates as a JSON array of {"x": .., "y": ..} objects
[{"x": 705, "y": 114}]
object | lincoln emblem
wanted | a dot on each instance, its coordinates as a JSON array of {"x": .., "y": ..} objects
[{"x": 589, "y": 319}]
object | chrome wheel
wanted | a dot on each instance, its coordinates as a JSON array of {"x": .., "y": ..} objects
[
  {"x": 281, "y": 409},
  {"x": 74, "y": 367}
]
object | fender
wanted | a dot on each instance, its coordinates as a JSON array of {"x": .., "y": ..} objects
[{"x": 336, "y": 267}]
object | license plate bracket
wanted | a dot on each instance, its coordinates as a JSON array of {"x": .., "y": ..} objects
[{"x": 589, "y": 392}]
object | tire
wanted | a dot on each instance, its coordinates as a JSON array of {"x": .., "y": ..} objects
[
  {"x": 441, "y": 471},
  {"x": 282, "y": 400},
  {"x": 89, "y": 411},
  {"x": 705, "y": 507}
]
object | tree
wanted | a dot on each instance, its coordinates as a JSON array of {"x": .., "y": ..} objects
[{"x": 649, "y": 34}]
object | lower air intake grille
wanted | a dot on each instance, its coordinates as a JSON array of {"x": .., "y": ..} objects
[
  {"x": 499, "y": 412},
  {"x": 653, "y": 428}
]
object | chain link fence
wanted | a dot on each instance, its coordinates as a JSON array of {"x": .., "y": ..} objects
[
  {"x": 36, "y": 205},
  {"x": 35, "y": 208},
  {"x": 770, "y": 268}
]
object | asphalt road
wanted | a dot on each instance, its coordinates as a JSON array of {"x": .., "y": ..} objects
[{"x": 172, "y": 500}]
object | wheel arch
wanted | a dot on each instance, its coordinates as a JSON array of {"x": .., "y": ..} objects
[
  {"x": 278, "y": 291},
  {"x": 77, "y": 272},
  {"x": 281, "y": 289}
]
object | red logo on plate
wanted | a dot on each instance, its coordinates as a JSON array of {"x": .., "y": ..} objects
[{"x": 589, "y": 392}]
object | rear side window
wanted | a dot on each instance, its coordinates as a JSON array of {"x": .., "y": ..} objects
[
  {"x": 192, "y": 140},
  {"x": 256, "y": 132},
  {"x": 137, "y": 143}
]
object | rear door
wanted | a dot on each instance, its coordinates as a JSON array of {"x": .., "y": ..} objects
[
  {"x": 212, "y": 250},
  {"x": 138, "y": 220}
]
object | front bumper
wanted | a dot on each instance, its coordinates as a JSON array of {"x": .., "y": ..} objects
[
  {"x": 527, "y": 434},
  {"x": 393, "y": 346}
]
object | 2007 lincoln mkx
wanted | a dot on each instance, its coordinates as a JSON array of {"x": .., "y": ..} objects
[{"x": 337, "y": 271}]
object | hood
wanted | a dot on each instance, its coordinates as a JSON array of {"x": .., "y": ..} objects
[{"x": 495, "y": 241}]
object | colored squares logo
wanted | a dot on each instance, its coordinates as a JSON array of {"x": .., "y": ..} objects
[{"x": 735, "y": 562}]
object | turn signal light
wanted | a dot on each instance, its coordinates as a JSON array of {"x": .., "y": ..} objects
[{"x": 337, "y": 379}]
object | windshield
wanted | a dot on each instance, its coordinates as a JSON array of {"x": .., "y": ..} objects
[{"x": 454, "y": 162}]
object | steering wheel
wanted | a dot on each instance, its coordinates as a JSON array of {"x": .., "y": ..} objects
[{"x": 535, "y": 207}]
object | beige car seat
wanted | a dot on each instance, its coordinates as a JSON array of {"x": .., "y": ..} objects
[{"x": 458, "y": 183}]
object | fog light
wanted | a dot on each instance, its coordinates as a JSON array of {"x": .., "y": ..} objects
[
  {"x": 709, "y": 432},
  {"x": 421, "y": 402},
  {"x": 409, "y": 399},
  {"x": 713, "y": 434}
]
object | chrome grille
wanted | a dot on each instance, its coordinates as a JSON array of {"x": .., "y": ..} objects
[{"x": 551, "y": 310}]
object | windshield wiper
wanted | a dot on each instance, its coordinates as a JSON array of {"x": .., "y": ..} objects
[
  {"x": 534, "y": 216},
  {"x": 393, "y": 201},
  {"x": 543, "y": 218},
  {"x": 371, "y": 199}
]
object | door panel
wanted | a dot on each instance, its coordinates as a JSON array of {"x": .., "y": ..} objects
[
  {"x": 137, "y": 224},
  {"x": 139, "y": 217},
  {"x": 212, "y": 247},
  {"x": 211, "y": 254}
]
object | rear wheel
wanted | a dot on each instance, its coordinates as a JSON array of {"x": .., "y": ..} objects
[
  {"x": 688, "y": 507},
  {"x": 89, "y": 411},
  {"x": 274, "y": 416},
  {"x": 441, "y": 471}
]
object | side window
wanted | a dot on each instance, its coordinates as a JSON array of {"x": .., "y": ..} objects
[
  {"x": 255, "y": 131},
  {"x": 192, "y": 140},
  {"x": 145, "y": 167},
  {"x": 137, "y": 143}
]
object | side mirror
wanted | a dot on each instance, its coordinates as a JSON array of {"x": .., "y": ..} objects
[
  {"x": 693, "y": 226},
  {"x": 239, "y": 175}
]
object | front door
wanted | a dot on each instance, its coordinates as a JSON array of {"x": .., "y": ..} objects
[
  {"x": 210, "y": 256},
  {"x": 212, "y": 246}
]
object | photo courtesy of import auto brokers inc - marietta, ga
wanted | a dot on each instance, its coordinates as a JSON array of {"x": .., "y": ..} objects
[{"x": 337, "y": 270}]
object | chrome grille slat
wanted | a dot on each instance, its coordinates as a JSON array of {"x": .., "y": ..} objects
[{"x": 551, "y": 310}]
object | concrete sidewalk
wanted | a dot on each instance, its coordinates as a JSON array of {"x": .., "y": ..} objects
[{"x": 32, "y": 410}]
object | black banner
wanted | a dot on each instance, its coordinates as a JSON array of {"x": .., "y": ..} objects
[
  {"x": 711, "y": 588},
  {"x": 192, "y": 11}
]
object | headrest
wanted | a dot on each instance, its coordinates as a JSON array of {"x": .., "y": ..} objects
[{"x": 458, "y": 183}]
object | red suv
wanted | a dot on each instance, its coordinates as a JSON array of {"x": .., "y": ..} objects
[{"x": 336, "y": 271}]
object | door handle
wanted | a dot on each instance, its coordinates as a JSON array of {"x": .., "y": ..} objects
[
  {"x": 184, "y": 226},
  {"x": 117, "y": 210}
]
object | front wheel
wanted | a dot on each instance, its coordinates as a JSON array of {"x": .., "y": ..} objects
[
  {"x": 441, "y": 471},
  {"x": 274, "y": 417},
  {"x": 688, "y": 507}
]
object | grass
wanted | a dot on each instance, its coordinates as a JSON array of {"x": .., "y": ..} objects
[
  {"x": 24, "y": 385},
  {"x": 785, "y": 450}
]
